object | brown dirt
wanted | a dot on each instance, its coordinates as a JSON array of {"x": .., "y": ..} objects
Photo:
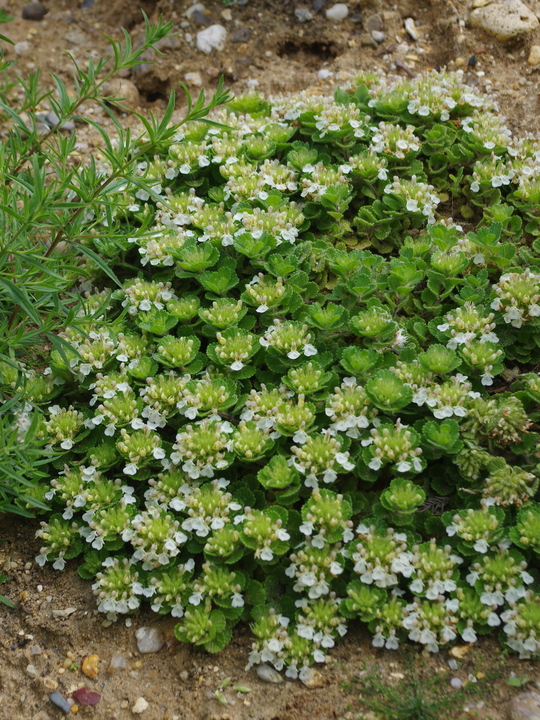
[
  {"x": 179, "y": 681},
  {"x": 278, "y": 54}
]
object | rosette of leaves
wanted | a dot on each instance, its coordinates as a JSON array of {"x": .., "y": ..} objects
[
  {"x": 387, "y": 392},
  {"x": 280, "y": 479},
  {"x": 263, "y": 531},
  {"x": 475, "y": 530},
  {"x": 204, "y": 627},
  {"x": 401, "y": 500},
  {"x": 328, "y": 513},
  {"x": 363, "y": 601},
  {"x": 358, "y": 361},
  {"x": 526, "y": 531},
  {"x": 440, "y": 438}
]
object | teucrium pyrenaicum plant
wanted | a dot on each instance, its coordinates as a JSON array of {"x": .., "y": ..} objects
[{"x": 307, "y": 365}]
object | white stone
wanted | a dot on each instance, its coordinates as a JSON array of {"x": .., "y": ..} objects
[
  {"x": 22, "y": 48},
  {"x": 504, "y": 20},
  {"x": 337, "y": 12},
  {"x": 324, "y": 74},
  {"x": 534, "y": 55},
  {"x": 149, "y": 640},
  {"x": 140, "y": 706},
  {"x": 410, "y": 29},
  {"x": 194, "y": 78},
  {"x": 198, "y": 6},
  {"x": 213, "y": 38}
]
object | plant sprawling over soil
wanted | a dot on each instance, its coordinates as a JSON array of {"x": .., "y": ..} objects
[{"x": 312, "y": 398}]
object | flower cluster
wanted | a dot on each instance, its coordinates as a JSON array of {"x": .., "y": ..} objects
[{"x": 322, "y": 392}]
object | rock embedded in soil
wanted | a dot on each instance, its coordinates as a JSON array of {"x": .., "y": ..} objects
[
  {"x": 77, "y": 37},
  {"x": 303, "y": 14},
  {"x": 22, "y": 48},
  {"x": 268, "y": 674},
  {"x": 374, "y": 23},
  {"x": 314, "y": 680},
  {"x": 504, "y": 20},
  {"x": 90, "y": 666},
  {"x": 337, "y": 12},
  {"x": 194, "y": 78},
  {"x": 34, "y": 11},
  {"x": 149, "y": 640},
  {"x": 121, "y": 88},
  {"x": 85, "y": 696},
  {"x": 118, "y": 663},
  {"x": 201, "y": 18},
  {"x": 140, "y": 706},
  {"x": 524, "y": 707},
  {"x": 60, "y": 701},
  {"x": 534, "y": 55},
  {"x": 32, "y": 671},
  {"x": 213, "y": 38},
  {"x": 241, "y": 35}
]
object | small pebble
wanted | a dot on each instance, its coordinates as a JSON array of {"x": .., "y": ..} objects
[
  {"x": 90, "y": 666},
  {"x": 241, "y": 35},
  {"x": 268, "y": 674},
  {"x": 22, "y": 48},
  {"x": 122, "y": 88},
  {"x": 140, "y": 706},
  {"x": 337, "y": 12},
  {"x": 456, "y": 683},
  {"x": 85, "y": 696},
  {"x": 201, "y": 18},
  {"x": 378, "y": 36},
  {"x": 226, "y": 14},
  {"x": 452, "y": 664},
  {"x": 34, "y": 11},
  {"x": 118, "y": 663},
  {"x": 149, "y": 640},
  {"x": 410, "y": 28},
  {"x": 324, "y": 74},
  {"x": 70, "y": 610},
  {"x": 60, "y": 701},
  {"x": 77, "y": 37},
  {"x": 49, "y": 683},
  {"x": 213, "y": 38},
  {"x": 533, "y": 59},
  {"x": 194, "y": 78},
  {"x": 32, "y": 671},
  {"x": 303, "y": 14},
  {"x": 374, "y": 22},
  {"x": 198, "y": 6},
  {"x": 313, "y": 680}
]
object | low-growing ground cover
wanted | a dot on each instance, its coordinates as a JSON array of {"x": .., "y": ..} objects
[{"x": 311, "y": 397}]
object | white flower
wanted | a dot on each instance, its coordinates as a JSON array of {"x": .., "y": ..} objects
[
  {"x": 310, "y": 350},
  {"x": 375, "y": 463},
  {"x": 131, "y": 469},
  {"x": 481, "y": 546},
  {"x": 266, "y": 554},
  {"x": 59, "y": 563},
  {"x": 469, "y": 635},
  {"x": 237, "y": 600}
]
